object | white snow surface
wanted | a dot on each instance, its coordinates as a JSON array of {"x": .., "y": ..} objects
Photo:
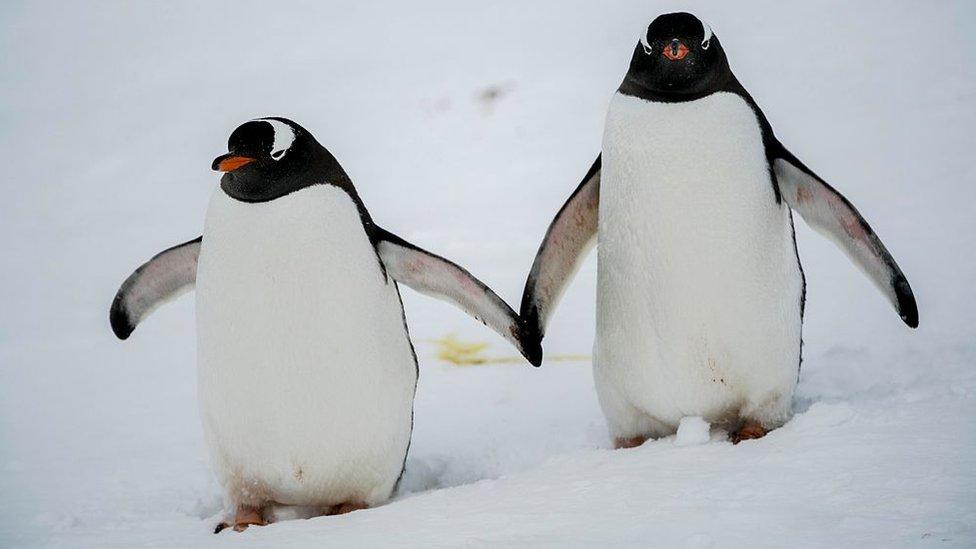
[{"x": 465, "y": 126}]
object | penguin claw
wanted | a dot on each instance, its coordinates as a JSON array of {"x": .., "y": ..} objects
[{"x": 221, "y": 527}]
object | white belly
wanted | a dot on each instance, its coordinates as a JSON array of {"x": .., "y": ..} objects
[
  {"x": 306, "y": 373},
  {"x": 699, "y": 288}
]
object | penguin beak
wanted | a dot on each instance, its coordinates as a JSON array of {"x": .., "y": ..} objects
[
  {"x": 676, "y": 50},
  {"x": 230, "y": 162}
]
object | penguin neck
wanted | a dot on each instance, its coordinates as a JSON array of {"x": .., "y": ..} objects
[
  {"x": 317, "y": 167},
  {"x": 723, "y": 81}
]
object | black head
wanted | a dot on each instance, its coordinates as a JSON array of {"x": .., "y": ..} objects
[
  {"x": 677, "y": 59},
  {"x": 272, "y": 157}
]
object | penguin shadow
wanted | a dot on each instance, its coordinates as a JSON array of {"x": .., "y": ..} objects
[
  {"x": 833, "y": 376},
  {"x": 801, "y": 404}
]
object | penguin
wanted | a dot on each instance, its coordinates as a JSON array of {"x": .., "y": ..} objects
[
  {"x": 306, "y": 371},
  {"x": 700, "y": 291}
]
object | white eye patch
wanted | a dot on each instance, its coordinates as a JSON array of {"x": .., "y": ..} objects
[
  {"x": 284, "y": 136},
  {"x": 645, "y": 43},
  {"x": 706, "y": 38},
  {"x": 707, "y": 33}
]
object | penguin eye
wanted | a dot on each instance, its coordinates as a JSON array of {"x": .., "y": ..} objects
[
  {"x": 706, "y": 43},
  {"x": 277, "y": 154}
]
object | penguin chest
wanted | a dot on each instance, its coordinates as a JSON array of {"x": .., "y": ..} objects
[
  {"x": 306, "y": 373},
  {"x": 699, "y": 284}
]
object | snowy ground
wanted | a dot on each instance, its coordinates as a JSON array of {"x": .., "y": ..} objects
[{"x": 465, "y": 125}]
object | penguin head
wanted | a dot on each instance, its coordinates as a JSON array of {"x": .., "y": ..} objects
[
  {"x": 268, "y": 158},
  {"x": 678, "y": 56}
]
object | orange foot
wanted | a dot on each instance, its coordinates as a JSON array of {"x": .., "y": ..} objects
[
  {"x": 634, "y": 442},
  {"x": 347, "y": 507},
  {"x": 748, "y": 430},
  {"x": 247, "y": 515}
]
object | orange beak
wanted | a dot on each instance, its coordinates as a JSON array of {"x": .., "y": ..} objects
[{"x": 230, "y": 162}]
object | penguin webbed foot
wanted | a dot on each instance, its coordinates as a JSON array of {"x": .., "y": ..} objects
[
  {"x": 749, "y": 430},
  {"x": 632, "y": 442},
  {"x": 246, "y": 516},
  {"x": 347, "y": 507}
]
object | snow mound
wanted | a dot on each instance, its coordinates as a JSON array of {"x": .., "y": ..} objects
[{"x": 692, "y": 431}]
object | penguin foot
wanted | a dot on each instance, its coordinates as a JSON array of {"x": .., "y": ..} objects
[
  {"x": 747, "y": 431},
  {"x": 633, "y": 442},
  {"x": 246, "y": 516},
  {"x": 347, "y": 507}
]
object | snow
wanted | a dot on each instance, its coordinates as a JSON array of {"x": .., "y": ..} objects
[
  {"x": 692, "y": 431},
  {"x": 465, "y": 126}
]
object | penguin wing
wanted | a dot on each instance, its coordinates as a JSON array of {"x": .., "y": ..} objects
[
  {"x": 570, "y": 237},
  {"x": 832, "y": 215},
  {"x": 437, "y": 277},
  {"x": 167, "y": 275}
]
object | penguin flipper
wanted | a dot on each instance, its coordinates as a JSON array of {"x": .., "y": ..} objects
[
  {"x": 437, "y": 277},
  {"x": 829, "y": 213},
  {"x": 166, "y": 276},
  {"x": 570, "y": 237}
]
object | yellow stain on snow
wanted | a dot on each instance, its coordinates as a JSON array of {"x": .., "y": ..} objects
[
  {"x": 464, "y": 353},
  {"x": 460, "y": 353}
]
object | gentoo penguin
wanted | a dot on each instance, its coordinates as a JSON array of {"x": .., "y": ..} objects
[
  {"x": 700, "y": 292},
  {"x": 306, "y": 370}
]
